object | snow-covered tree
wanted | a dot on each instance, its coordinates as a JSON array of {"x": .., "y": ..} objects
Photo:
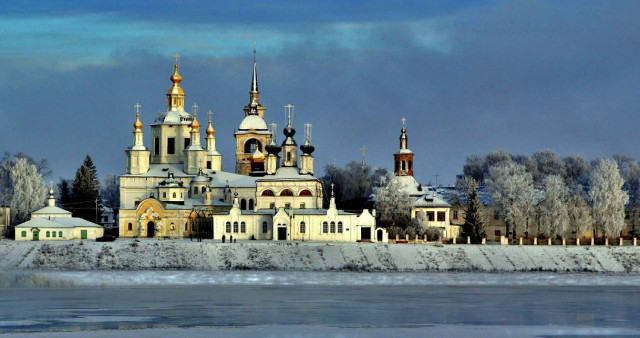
[
  {"x": 554, "y": 213},
  {"x": 27, "y": 189},
  {"x": 547, "y": 162},
  {"x": 579, "y": 212},
  {"x": 473, "y": 225},
  {"x": 111, "y": 192},
  {"x": 630, "y": 172},
  {"x": 511, "y": 188},
  {"x": 393, "y": 204},
  {"x": 577, "y": 170},
  {"x": 607, "y": 198},
  {"x": 353, "y": 184}
]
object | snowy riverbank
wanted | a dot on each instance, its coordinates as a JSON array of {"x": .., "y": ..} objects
[{"x": 208, "y": 255}]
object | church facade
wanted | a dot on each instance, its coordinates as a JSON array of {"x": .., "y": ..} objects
[{"x": 177, "y": 188}]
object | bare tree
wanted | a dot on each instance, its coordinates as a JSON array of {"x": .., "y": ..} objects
[{"x": 607, "y": 198}]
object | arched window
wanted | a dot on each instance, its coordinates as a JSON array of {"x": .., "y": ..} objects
[
  {"x": 129, "y": 227},
  {"x": 195, "y": 190},
  {"x": 228, "y": 227},
  {"x": 252, "y": 145},
  {"x": 243, "y": 227},
  {"x": 333, "y": 227},
  {"x": 410, "y": 165},
  {"x": 339, "y": 227},
  {"x": 305, "y": 192},
  {"x": 186, "y": 226},
  {"x": 164, "y": 195},
  {"x": 48, "y": 233},
  {"x": 59, "y": 233},
  {"x": 202, "y": 191},
  {"x": 235, "y": 227},
  {"x": 243, "y": 204},
  {"x": 268, "y": 192},
  {"x": 174, "y": 195},
  {"x": 404, "y": 165},
  {"x": 54, "y": 234},
  {"x": 251, "y": 204},
  {"x": 265, "y": 227},
  {"x": 325, "y": 227},
  {"x": 303, "y": 227},
  {"x": 397, "y": 165},
  {"x": 288, "y": 156},
  {"x": 286, "y": 192}
]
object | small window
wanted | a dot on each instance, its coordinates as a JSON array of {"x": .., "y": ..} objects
[
  {"x": 410, "y": 165},
  {"x": 228, "y": 227},
  {"x": 24, "y": 234},
  {"x": 339, "y": 227},
  {"x": 272, "y": 205},
  {"x": 267, "y": 192},
  {"x": 202, "y": 190},
  {"x": 265, "y": 227},
  {"x": 431, "y": 216},
  {"x": 60, "y": 234},
  {"x": 302, "y": 205},
  {"x": 48, "y": 233},
  {"x": 53, "y": 234},
  {"x": 243, "y": 227},
  {"x": 404, "y": 165},
  {"x": 174, "y": 195},
  {"x": 164, "y": 195},
  {"x": 251, "y": 204},
  {"x": 209, "y": 165},
  {"x": 195, "y": 190},
  {"x": 287, "y": 205},
  {"x": 496, "y": 215},
  {"x": 156, "y": 145},
  {"x": 187, "y": 142},
  {"x": 325, "y": 228},
  {"x": 303, "y": 227},
  {"x": 397, "y": 165},
  {"x": 243, "y": 204},
  {"x": 235, "y": 227},
  {"x": 333, "y": 227},
  {"x": 186, "y": 226},
  {"x": 171, "y": 145},
  {"x": 441, "y": 216},
  {"x": 129, "y": 227},
  {"x": 455, "y": 214}
]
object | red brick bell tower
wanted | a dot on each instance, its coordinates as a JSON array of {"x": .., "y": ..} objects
[{"x": 403, "y": 158}]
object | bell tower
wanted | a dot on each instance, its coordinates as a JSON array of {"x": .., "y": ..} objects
[{"x": 403, "y": 158}]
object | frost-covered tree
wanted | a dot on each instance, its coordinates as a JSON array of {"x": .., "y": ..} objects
[
  {"x": 473, "y": 225},
  {"x": 607, "y": 198},
  {"x": 554, "y": 213},
  {"x": 630, "y": 172},
  {"x": 27, "y": 189},
  {"x": 86, "y": 200},
  {"x": 111, "y": 192},
  {"x": 419, "y": 224},
  {"x": 580, "y": 219},
  {"x": 393, "y": 204},
  {"x": 353, "y": 184},
  {"x": 547, "y": 162},
  {"x": 511, "y": 188}
]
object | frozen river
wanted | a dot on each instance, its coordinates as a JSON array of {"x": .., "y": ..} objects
[{"x": 320, "y": 303}]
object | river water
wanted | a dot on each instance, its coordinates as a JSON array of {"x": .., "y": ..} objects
[{"x": 320, "y": 303}]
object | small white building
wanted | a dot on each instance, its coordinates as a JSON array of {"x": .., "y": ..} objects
[{"x": 53, "y": 223}]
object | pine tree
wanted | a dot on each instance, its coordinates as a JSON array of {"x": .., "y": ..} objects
[
  {"x": 473, "y": 226},
  {"x": 85, "y": 198}
]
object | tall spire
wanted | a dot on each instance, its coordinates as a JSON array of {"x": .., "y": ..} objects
[
  {"x": 175, "y": 95},
  {"x": 403, "y": 135},
  {"x": 254, "y": 94},
  {"x": 403, "y": 158}
]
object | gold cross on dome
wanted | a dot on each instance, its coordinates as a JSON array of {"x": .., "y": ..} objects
[
  {"x": 195, "y": 108},
  {"x": 137, "y": 106},
  {"x": 177, "y": 57}
]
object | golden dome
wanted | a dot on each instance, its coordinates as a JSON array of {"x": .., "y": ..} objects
[
  {"x": 175, "y": 78},
  {"x": 195, "y": 125},
  {"x": 210, "y": 130},
  {"x": 137, "y": 125}
]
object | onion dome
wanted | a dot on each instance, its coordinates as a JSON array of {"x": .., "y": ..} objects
[
  {"x": 253, "y": 122},
  {"x": 137, "y": 125},
  {"x": 257, "y": 156},
  {"x": 195, "y": 125},
  {"x": 273, "y": 148},
  {"x": 201, "y": 178},
  {"x": 210, "y": 130},
  {"x": 307, "y": 148},
  {"x": 289, "y": 131}
]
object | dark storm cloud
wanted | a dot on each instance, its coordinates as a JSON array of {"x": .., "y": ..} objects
[{"x": 521, "y": 76}]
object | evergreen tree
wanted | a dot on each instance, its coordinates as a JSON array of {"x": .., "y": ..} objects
[
  {"x": 85, "y": 199},
  {"x": 473, "y": 226},
  {"x": 65, "y": 193}
]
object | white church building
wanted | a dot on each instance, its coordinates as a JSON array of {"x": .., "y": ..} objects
[{"x": 177, "y": 188}]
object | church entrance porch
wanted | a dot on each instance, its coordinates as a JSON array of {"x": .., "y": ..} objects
[
  {"x": 36, "y": 235},
  {"x": 151, "y": 229},
  {"x": 282, "y": 234}
]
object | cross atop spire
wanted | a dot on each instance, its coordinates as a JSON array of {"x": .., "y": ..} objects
[
  {"x": 364, "y": 151},
  {"x": 289, "y": 111},
  {"x": 403, "y": 122},
  {"x": 209, "y": 113},
  {"x": 307, "y": 127},
  {"x": 137, "y": 106},
  {"x": 195, "y": 108},
  {"x": 177, "y": 57}
]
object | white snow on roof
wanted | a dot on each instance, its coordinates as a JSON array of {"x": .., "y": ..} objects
[
  {"x": 52, "y": 210},
  {"x": 74, "y": 222},
  {"x": 430, "y": 200},
  {"x": 58, "y": 222},
  {"x": 404, "y": 151},
  {"x": 288, "y": 174},
  {"x": 411, "y": 186},
  {"x": 253, "y": 122}
]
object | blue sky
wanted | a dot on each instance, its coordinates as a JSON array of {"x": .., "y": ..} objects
[{"x": 469, "y": 76}]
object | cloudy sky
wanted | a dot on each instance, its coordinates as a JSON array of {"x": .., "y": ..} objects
[{"x": 469, "y": 76}]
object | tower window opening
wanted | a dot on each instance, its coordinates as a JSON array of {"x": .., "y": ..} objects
[
  {"x": 252, "y": 145},
  {"x": 208, "y": 164},
  {"x": 251, "y": 204},
  {"x": 171, "y": 145},
  {"x": 404, "y": 165},
  {"x": 397, "y": 165},
  {"x": 187, "y": 142},
  {"x": 243, "y": 204},
  {"x": 410, "y": 165},
  {"x": 156, "y": 146}
]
